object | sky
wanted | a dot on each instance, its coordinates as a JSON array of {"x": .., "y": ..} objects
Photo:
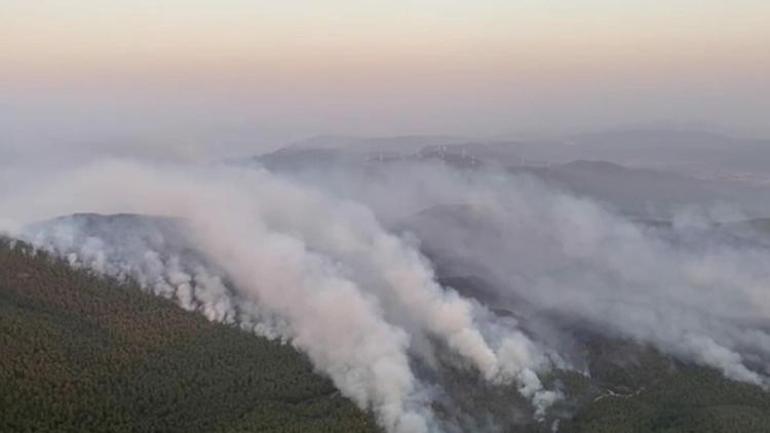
[{"x": 193, "y": 75}]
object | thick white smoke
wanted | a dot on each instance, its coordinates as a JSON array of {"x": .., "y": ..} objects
[
  {"x": 319, "y": 272},
  {"x": 690, "y": 290},
  {"x": 331, "y": 262}
]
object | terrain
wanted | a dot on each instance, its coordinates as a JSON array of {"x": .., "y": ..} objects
[
  {"x": 85, "y": 353},
  {"x": 405, "y": 284},
  {"x": 647, "y": 171},
  {"x": 82, "y": 353}
]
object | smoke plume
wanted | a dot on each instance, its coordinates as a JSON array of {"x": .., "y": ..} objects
[{"x": 347, "y": 266}]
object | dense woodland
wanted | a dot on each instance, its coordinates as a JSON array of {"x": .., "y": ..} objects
[
  {"x": 84, "y": 354},
  {"x": 638, "y": 390},
  {"x": 80, "y": 353}
]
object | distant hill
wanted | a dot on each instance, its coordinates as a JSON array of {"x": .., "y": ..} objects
[
  {"x": 639, "y": 190},
  {"x": 399, "y": 143},
  {"x": 651, "y": 173},
  {"x": 83, "y": 354},
  {"x": 688, "y": 151},
  {"x": 691, "y": 152}
]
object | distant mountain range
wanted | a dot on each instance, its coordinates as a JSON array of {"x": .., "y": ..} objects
[
  {"x": 636, "y": 171},
  {"x": 686, "y": 151}
]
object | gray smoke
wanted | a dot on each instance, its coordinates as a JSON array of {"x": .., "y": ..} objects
[
  {"x": 343, "y": 265},
  {"x": 316, "y": 271},
  {"x": 695, "y": 289}
]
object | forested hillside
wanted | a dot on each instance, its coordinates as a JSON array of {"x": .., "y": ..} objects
[
  {"x": 84, "y": 354},
  {"x": 81, "y": 353}
]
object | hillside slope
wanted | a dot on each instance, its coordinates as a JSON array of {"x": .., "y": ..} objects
[{"x": 83, "y": 354}]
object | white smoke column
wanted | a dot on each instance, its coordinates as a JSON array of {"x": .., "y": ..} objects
[
  {"x": 694, "y": 295},
  {"x": 383, "y": 263},
  {"x": 328, "y": 316},
  {"x": 399, "y": 276},
  {"x": 346, "y": 237}
]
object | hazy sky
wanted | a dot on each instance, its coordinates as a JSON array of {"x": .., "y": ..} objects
[{"x": 195, "y": 72}]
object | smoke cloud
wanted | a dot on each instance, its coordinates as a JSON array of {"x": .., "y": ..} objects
[
  {"x": 342, "y": 289},
  {"x": 696, "y": 289},
  {"x": 347, "y": 265}
]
